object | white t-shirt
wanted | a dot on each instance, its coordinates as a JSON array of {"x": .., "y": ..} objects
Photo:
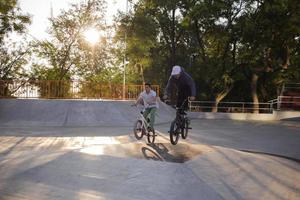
[{"x": 149, "y": 99}]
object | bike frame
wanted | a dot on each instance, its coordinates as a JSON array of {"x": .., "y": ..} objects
[
  {"x": 144, "y": 128},
  {"x": 179, "y": 115},
  {"x": 144, "y": 121}
]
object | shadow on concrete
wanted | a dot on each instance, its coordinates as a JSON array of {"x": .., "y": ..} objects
[{"x": 168, "y": 153}]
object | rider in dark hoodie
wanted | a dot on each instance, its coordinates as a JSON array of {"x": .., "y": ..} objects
[{"x": 185, "y": 86}]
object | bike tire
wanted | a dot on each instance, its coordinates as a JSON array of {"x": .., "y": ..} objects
[
  {"x": 138, "y": 130},
  {"x": 185, "y": 129},
  {"x": 151, "y": 135},
  {"x": 174, "y": 133}
]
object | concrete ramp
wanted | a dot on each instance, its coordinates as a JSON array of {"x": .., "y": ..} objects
[{"x": 33, "y": 112}]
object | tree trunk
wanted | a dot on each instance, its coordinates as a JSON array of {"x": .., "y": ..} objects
[
  {"x": 173, "y": 40},
  {"x": 254, "y": 79},
  {"x": 142, "y": 74},
  {"x": 285, "y": 57},
  {"x": 215, "y": 107},
  {"x": 4, "y": 91},
  {"x": 221, "y": 96}
]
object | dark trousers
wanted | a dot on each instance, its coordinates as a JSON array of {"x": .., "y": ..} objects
[{"x": 182, "y": 97}]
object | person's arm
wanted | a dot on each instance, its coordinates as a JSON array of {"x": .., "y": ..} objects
[
  {"x": 139, "y": 100},
  {"x": 191, "y": 84}
]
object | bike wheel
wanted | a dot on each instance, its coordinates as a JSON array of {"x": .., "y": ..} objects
[
  {"x": 151, "y": 135},
  {"x": 185, "y": 129},
  {"x": 174, "y": 132},
  {"x": 138, "y": 129}
]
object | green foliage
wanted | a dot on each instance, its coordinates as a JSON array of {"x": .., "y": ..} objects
[
  {"x": 68, "y": 53},
  {"x": 11, "y": 19},
  {"x": 13, "y": 58},
  {"x": 220, "y": 43}
]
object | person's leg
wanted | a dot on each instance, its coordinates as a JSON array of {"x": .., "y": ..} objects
[
  {"x": 183, "y": 95},
  {"x": 186, "y": 103},
  {"x": 146, "y": 113},
  {"x": 182, "y": 102},
  {"x": 152, "y": 117},
  {"x": 180, "y": 99}
]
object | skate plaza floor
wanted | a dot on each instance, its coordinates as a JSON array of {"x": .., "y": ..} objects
[{"x": 55, "y": 149}]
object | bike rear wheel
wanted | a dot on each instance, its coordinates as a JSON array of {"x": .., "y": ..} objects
[
  {"x": 185, "y": 129},
  {"x": 174, "y": 132},
  {"x": 138, "y": 130},
  {"x": 151, "y": 135}
]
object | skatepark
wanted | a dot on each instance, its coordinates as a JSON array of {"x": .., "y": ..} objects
[
  {"x": 220, "y": 78},
  {"x": 86, "y": 149}
]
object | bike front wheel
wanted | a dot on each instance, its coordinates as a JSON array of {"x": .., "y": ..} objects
[
  {"x": 174, "y": 132},
  {"x": 185, "y": 129},
  {"x": 138, "y": 130},
  {"x": 151, "y": 135}
]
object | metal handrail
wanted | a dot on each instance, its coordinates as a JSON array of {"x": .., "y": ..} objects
[
  {"x": 54, "y": 89},
  {"x": 219, "y": 107},
  {"x": 231, "y": 106},
  {"x": 295, "y": 97},
  {"x": 229, "y": 102},
  {"x": 280, "y": 103}
]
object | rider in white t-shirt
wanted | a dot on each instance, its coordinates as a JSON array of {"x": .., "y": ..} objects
[{"x": 149, "y": 99}]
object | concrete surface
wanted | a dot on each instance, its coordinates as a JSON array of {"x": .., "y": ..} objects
[{"x": 221, "y": 159}]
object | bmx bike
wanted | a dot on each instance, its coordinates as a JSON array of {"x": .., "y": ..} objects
[
  {"x": 142, "y": 127},
  {"x": 180, "y": 125}
]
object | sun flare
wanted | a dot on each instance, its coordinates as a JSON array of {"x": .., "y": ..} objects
[{"x": 91, "y": 35}]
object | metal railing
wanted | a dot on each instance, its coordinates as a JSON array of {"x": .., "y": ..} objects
[
  {"x": 289, "y": 98},
  {"x": 291, "y": 86},
  {"x": 52, "y": 89},
  {"x": 281, "y": 103},
  {"x": 94, "y": 90},
  {"x": 230, "y": 107},
  {"x": 286, "y": 103}
]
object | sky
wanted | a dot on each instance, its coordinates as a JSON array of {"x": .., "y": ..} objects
[{"x": 40, "y": 10}]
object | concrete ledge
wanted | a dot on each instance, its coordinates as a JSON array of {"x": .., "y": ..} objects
[
  {"x": 38, "y": 112},
  {"x": 276, "y": 115}
]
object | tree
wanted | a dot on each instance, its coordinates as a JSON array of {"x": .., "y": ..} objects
[
  {"x": 235, "y": 50},
  {"x": 63, "y": 51},
  {"x": 11, "y": 19},
  {"x": 269, "y": 31},
  {"x": 213, "y": 38},
  {"x": 67, "y": 53},
  {"x": 13, "y": 57},
  {"x": 141, "y": 32}
]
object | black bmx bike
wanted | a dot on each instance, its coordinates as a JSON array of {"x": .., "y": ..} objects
[{"x": 180, "y": 125}]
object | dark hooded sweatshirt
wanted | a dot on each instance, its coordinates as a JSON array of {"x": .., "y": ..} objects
[{"x": 185, "y": 86}]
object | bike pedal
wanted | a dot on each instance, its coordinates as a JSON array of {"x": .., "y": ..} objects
[{"x": 189, "y": 127}]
